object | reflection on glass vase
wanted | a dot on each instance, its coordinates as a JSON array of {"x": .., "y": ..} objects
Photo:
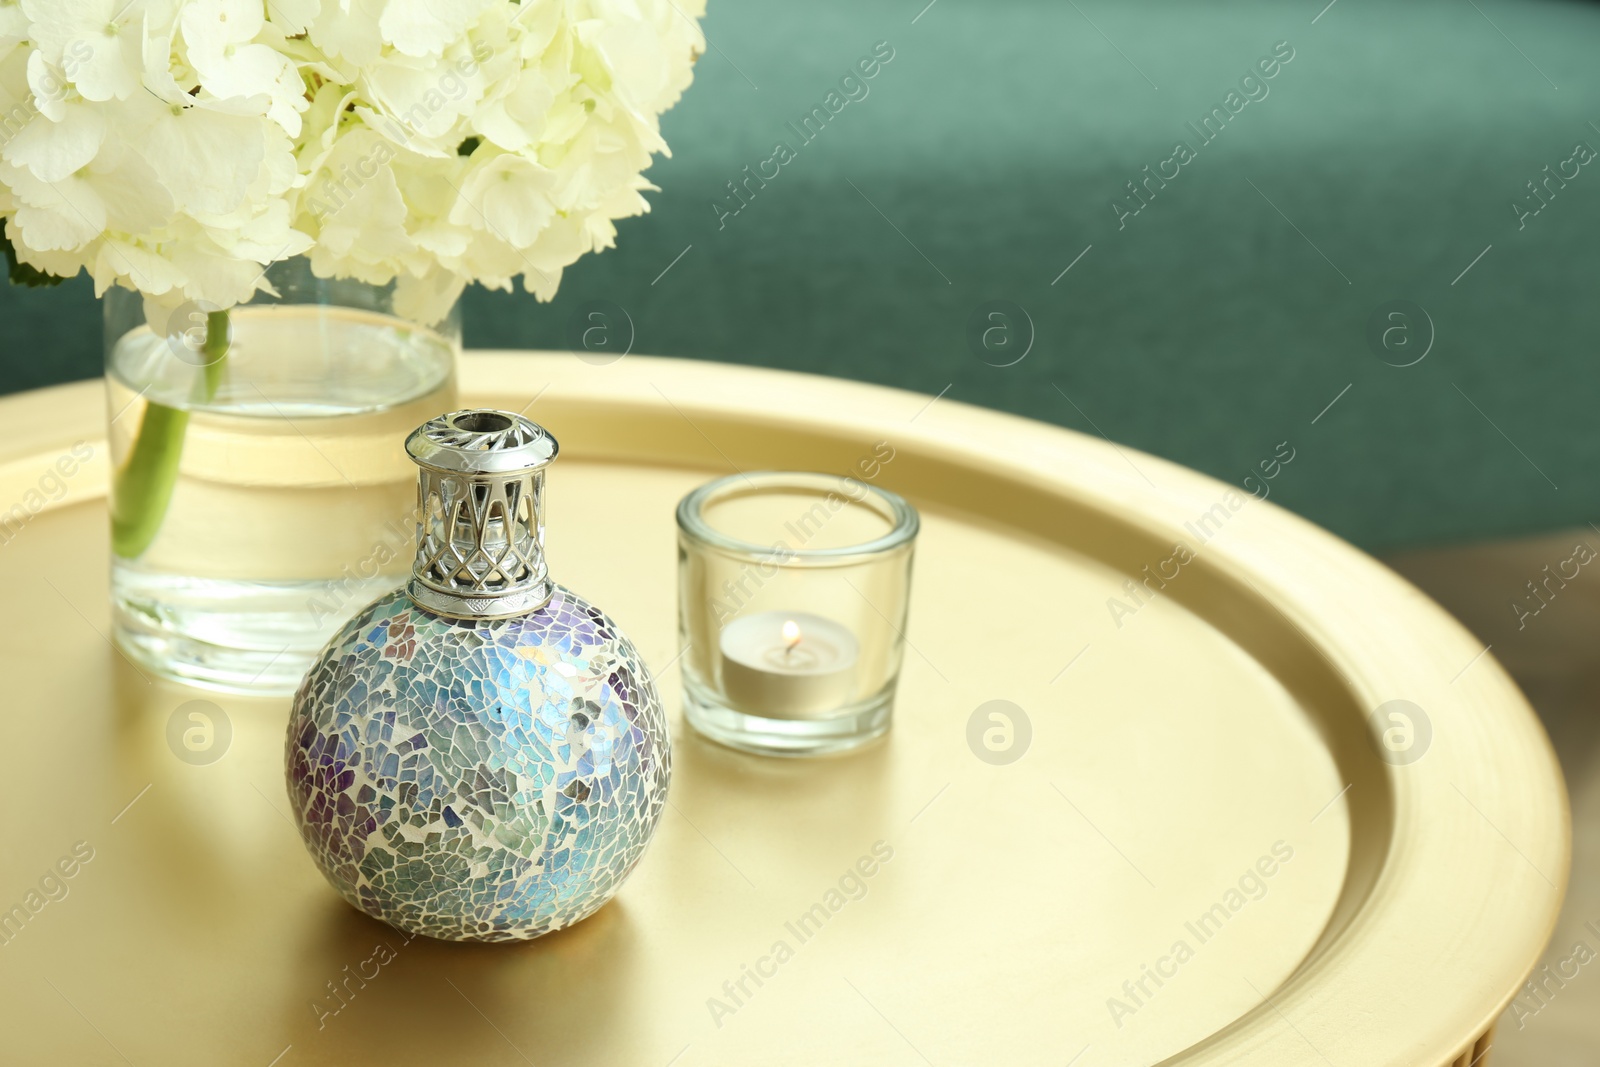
[{"x": 262, "y": 493}]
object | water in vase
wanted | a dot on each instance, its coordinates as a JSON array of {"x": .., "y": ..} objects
[{"x": 289, "y": 502}]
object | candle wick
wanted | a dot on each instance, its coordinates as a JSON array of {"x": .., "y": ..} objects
[{"x": 791, "y": 638}]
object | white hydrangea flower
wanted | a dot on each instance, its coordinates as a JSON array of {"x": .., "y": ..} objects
[
  {"x": 219, "y": 36},
  {"x": 179, "y": 147}
]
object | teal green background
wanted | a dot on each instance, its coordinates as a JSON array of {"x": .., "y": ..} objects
[{"x": 1207, "y": 330}]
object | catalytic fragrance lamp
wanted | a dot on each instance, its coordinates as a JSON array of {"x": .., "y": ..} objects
[{"x": 482, "y": 755}]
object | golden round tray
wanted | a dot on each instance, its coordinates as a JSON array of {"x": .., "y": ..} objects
[{"x": 1201, "y": 773}]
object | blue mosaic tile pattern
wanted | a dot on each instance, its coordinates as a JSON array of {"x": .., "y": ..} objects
[{"x": 478, "y": 780}]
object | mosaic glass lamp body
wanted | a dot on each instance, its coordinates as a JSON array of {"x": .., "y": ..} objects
[{"x": 481, "y": 756}]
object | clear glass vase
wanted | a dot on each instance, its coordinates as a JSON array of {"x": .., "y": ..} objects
[{"x": 261, "y": 492}]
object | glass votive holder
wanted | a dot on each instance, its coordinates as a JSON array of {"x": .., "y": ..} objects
[{"x": 793, "y": 590}]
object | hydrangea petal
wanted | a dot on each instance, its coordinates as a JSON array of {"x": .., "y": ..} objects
[{"x": 51, "y": 150}]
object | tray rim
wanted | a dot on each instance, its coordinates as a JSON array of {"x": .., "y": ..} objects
[{"x": 1349, "y": 978}]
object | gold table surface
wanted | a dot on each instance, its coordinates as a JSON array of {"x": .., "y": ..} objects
[{"x": 1200, "y": 774}]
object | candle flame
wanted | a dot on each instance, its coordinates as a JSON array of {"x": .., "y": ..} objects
[{"x": 791, "y": 634}]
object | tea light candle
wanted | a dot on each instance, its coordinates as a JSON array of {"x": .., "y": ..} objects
[
  {"x": 760, "y": 674},
  {"x": 788, "y": 665}
]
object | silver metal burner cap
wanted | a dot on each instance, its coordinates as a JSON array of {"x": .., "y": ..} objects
[{"x": 480, "y": 532}]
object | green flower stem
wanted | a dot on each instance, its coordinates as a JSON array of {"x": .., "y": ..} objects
[{"x": 143, "y": 486}]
